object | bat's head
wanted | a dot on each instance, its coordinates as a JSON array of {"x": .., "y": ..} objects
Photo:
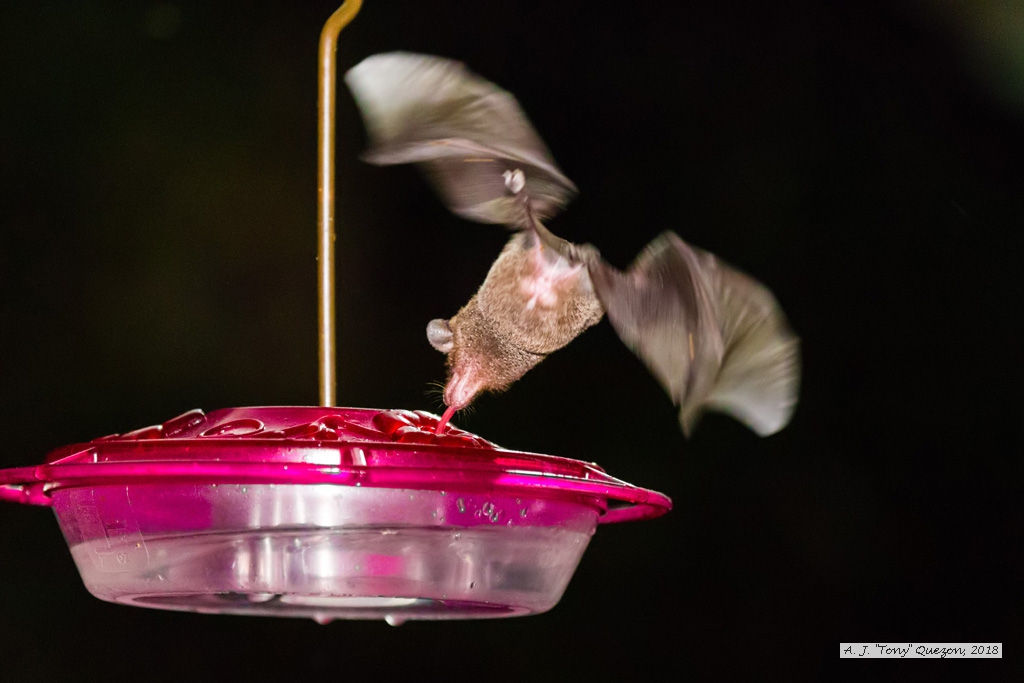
[
  {"x": 462, "y": 387},
  {"x": 478, "y": 359}
]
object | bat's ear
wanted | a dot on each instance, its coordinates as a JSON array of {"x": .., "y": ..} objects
[{"x": 439, "y": 334}]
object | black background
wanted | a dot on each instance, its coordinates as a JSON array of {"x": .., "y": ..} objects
[{"x": 863, "y": 159}]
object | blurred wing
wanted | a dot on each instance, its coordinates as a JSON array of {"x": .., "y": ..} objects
[
  {"x": 760, "y": 377},
  {"x": 713, "y": 337},
  {"x": 662, "y": 309},
  {"x": 464, "y": 130}
]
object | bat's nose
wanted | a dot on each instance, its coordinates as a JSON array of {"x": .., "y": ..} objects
[{"x": 461, "y": 389}]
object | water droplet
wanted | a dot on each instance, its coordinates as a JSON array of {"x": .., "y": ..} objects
[
  {"x": 472, "y": 584},
  {"x": 457, "y": 536},
  {"x": 393, "y": 620},
  {"x": 260, "y": 597},
  {"x": 518, "y": 502},
  {"x": 461, "y": 505},
  {"x": 488, "y": 509},
  {"x": 522, "y": 513},
  {"x": 434, "y": 514},
  {"x": 323, "y": 619}
]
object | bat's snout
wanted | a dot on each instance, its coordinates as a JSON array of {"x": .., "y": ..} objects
[{"x": 461, "y": 389}]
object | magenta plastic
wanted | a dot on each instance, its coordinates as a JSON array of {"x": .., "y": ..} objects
[{"x": 326, "y": 513}]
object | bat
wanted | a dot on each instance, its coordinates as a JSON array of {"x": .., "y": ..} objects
[{"x": 713, "y": 337}]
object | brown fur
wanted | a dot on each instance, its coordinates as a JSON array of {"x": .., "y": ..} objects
[{"x": 499, "y": 336}]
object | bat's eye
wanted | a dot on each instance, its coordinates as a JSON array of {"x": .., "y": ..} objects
[{"x": 439, "y": 334}]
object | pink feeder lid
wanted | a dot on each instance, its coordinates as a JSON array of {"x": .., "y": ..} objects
[{"x": 319, "y": 445}]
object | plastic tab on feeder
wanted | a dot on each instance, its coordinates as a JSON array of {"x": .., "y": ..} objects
[{"x": 327, "y": 513}]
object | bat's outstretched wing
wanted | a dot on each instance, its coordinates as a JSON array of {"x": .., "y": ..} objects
[
  {"x": 713, "y": 337},
  {"x": 464, "y": 130},
  {"x": 759, "y": 380}
]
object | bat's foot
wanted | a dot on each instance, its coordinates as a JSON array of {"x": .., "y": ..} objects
[{"x": 515, "y": 180}]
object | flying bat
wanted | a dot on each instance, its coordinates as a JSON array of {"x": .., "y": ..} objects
[{"x": 713, "y": 337}]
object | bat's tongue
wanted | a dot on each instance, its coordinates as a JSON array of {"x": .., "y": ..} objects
[{"x": 444, "y": 420}]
